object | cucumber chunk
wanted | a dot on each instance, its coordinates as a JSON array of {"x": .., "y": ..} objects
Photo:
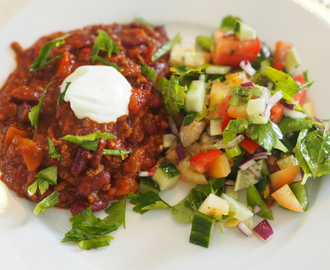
[
  {"x": 255, "y": 110},
  {"x": 201, "y": 229},
  {"x": 168, "y": 140},
  {"x": 241, "y": 210},
  {"x": 214, "y": 206},
  {"x": 244, "y": 32},
  {"x": 287, "y": 162},
  {"x": 195, "y": 97},
  {"x": 215, "y": 126},
  {"x": 147, "y": 184},
  {"x": 166, "y": 176},
  {"x": 217, "y": 69},
  {"x": 292, "y": 61}
]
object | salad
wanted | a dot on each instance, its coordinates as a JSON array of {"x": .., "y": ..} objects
[{"x": 238, "y": 128}]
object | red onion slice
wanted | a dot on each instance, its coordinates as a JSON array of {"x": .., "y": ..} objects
[
  {"x": 172, "y": 126},
  {"x": 246, "y": 164},
  {"x": 244, "y": 229},
  {"x": 257, "y": 209},
  {"x": 262, "y": 154},
  {"x": 275, "y": 98},
  {"x": 254, "y": 172},
  {"x": 326, "y": 125},
  {"x": 229, "y": 183},
  {"x": 153, "y": 169},
  {"x": 319, "y": 121},
  {"x": 143, "y": 174},
  {"x": 260, "y": 157},
  {"x": 289, "y": 106},
  {"x": 265, "y": 49},
  {"x": 247, "y": 84},
  {"x": 263, "y": 229},
  {"x": 246, "y": 66},
  {"x": 228, "y": 33},
  {"x": 181, "y": 152}
]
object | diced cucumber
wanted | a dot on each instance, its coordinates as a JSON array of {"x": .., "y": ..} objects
[
  {"x": 147, "y": 184},
  {"x": 245, "y": 177},
  {"x": 214, "y": 206},
  {"x": 241, "y": 210},
  {"x": 264, "y": 64},
  {"x": 230, "y": 191},
  {"x": 217, "y": 69},
  {"x": 255, "y": 110},
  {"x": 215, "y": 126},
  {"x": 292, "y": 61},
  {"x": 244, "y": 32},
  {"x": 201, "y": 229},
  {"x": 168, "y": 140},
  {"x": 195, "y": 97},
  {"x": 194, "y": 58},
  {"x": 166, "y": 176},
  {"x": 287, "y": 162}
]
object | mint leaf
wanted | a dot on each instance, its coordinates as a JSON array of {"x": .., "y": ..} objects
[
  {"x": 34, "y": 114},
  {"x": 52, "y": 151},
  {"x": 88, "y": 142},
  {"x": 166, "y": 47},
  {"x": 289, "y": 124},
  {"x": 42, "y": 60},
  {"x": 46, "y": 203},
  {"x": 147, "y": 201}
]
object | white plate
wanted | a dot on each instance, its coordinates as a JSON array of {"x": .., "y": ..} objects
[{"x": 154, "y": 240}]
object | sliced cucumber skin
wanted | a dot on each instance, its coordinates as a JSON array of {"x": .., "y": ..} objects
[
  {"x": 201, "y": 229},
  {"x": 170, "y": 170},
  {"x": 166, "y": 176},
  {"x": 147, "y": 184},
  {"x": 195, "y": 97}
]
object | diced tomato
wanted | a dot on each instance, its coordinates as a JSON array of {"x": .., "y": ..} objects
[
  {"x": 284, "y": 177},
  {"x": 222, "y": 111},
  {"x": 64, "y": 65},
  {"x": 220, "y": 167},
  {"x": 286, "y": 198},
  {"x": 11, "y": 133},
  {"x": 231, "y": 51},
  {"x": 281, "y": 50},
  {"x": 299, "y": 79},
  {"x": 238, "y": 112},
  {"x": 202, "y": 161},
  {"x": 249, "y": 145},
  {"x": 276, "y": 113},
  {"x": 269, "y": 203},
  {"x": 300, "y": 96}
]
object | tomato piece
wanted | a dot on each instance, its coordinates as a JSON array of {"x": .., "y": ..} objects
[
  {"x": 238, "y": 112},
  {"x": 222, "y": 111},
  {"x": 64, "y": 65},
  {"x": 284, "y": 177},
  {"x": 300, "y": 96},
  {"x": 231, "y": 51},
  {"x": 286, "y": 198},
  {"x": 299, "y": 79},
  {"x": 202, "y": 161},
  {"x": 249, "y": 145},
  {"x": 276, "y": 113},
  {"x": 281, "y": 50},
  {"x": 220, "y": 167}
]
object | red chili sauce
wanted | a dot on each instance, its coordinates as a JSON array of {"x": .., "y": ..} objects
[{"x": 84, "y": 177}]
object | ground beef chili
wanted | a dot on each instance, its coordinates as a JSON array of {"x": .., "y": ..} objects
[{"x": 84, "y": 177}]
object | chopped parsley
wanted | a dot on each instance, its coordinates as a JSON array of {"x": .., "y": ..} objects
[
  {"x": 52, "y": 151},
  {"x": 166, "y": 47},
  {"x": 46, "y": 203},
  {"x": 45, "y": 178},
  {"x": 104, "y": 43}
]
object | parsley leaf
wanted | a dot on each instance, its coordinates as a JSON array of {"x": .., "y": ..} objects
[
  {"x": 46, "y": 203},
  {"x": 34, "y": 114},
  {"x": 61, "y": 96},
  {"x": 268, "y": 136},
  {"x": 166, "y": 47},
  {"x": 242, "y": 95},
  {"x": 104, "y": 61},
  {"x": 147, "y": 201},
  {"x": 104, "y": 43},
  {"x": 52, "y": 151},
  {"x": 89, "y": 231},
  {"x": 189, "y": 118},
  {"x": 44, "y": 178},
  {"x": 116, "y": 152},
  {"x": 41, "y": 61},
  {"x": 229, "y": 22},
  {"x": 233, "y": 128},
  {"x": 90, "y": 141},
  {"x": 116, "y": 213},
  {"x": 152, "y": 75},
  {"x": 173, "y": 94}
]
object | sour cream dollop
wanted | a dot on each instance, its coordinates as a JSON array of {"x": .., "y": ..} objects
[{"x": 100, "y": 93}]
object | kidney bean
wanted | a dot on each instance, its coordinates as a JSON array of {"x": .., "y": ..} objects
[
  {"x": 80, "y": 161},
  {"x": 88, "y": 185}
]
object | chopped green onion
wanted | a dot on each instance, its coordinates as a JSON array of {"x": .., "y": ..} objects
[
  {"x": 104, "y": 61},
  {"x": 52, "y": 151},
  {"x": 104, "y": 43},
  {"x": 152, "y": 75},
  {"x": 44, "y": 178},
  {"x": 233, "y": 152},
  {"x": 61, "y": 96}
]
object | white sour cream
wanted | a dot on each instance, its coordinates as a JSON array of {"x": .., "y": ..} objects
[{"x": 100, "y": 93}]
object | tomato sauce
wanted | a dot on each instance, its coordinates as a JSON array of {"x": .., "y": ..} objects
[{"x": 84, "y": 177}]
